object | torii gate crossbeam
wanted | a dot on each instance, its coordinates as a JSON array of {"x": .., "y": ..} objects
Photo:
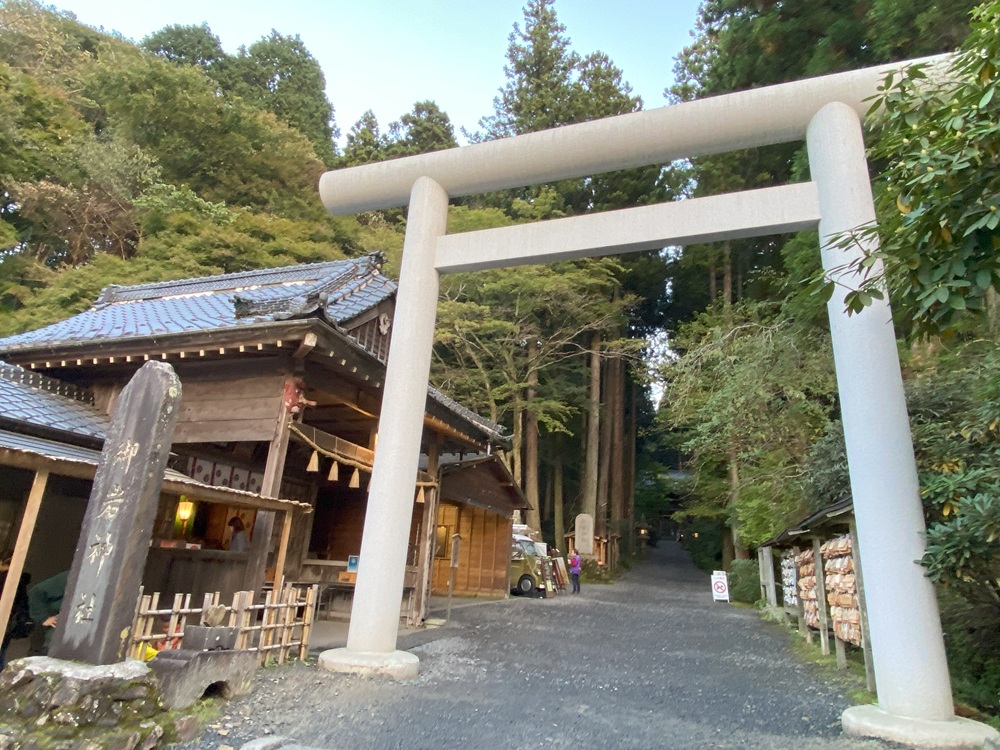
[{"x": 915, "y": 702}]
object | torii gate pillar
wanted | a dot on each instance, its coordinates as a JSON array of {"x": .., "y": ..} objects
[{"x": 911, "y": 670}]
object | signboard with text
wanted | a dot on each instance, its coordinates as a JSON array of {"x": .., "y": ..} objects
[{"x": 720, "y": 586}]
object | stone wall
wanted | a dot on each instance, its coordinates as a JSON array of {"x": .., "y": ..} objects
[{"x": 49, "y": 704}]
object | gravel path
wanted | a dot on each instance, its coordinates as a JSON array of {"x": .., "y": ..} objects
[{"x": 649, "y": 662}]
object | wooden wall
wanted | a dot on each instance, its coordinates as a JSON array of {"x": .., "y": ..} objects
[
  {"x": 484, "y": 555},
  {"x": 229, "y": 410}
]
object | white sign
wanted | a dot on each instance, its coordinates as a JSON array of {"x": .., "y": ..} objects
[{"x": 720, "y": 586}]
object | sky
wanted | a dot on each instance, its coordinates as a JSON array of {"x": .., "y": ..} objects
[{"x": 385, "y": 55}]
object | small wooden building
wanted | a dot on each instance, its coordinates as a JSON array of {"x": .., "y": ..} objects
[
  {"x": 820, "y": 580},
  {"x": 478, "y": 500},
  {"x": 282, "y": 371}
]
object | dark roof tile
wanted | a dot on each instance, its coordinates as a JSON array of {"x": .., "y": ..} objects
[
  {"x": 42, "y": 402},
  {"x": 340, "y": 290}
]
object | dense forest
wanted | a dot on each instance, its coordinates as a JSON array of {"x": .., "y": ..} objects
[{"x": 124, "y": 162}]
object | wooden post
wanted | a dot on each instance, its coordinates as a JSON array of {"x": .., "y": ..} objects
[
  {"x": 24, "y": 533},
  {"x": 866, "y": 648},
  {"x": 425, "y": 560},
  {"x": 765, "y": 558},
  {"x": 841, "y": 652},
  {"x": 274, "y": 470},
  {"x": 279, "y": 564},
  {"x": 455, "y": 541},
  {"x": 824, "y": 619}
]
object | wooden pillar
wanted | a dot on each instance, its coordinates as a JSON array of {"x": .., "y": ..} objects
[
  {"x": 841, "y": 651},
  {"x": 274, "y": 470},
  {"x": 866, "y": 646},
  {"x": 24, "y": 533},
  {"x": 765, "y": 560},
  {"x": 425, "y": 561},
  {"x": 279, "y": 563},
  {"x": 824, "y": 618}
]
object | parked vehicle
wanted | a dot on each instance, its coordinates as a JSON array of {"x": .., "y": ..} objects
[{"x": 526, "y": 574}]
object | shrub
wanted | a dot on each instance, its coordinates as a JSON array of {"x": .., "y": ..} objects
[{"x": 744, "y": 581}]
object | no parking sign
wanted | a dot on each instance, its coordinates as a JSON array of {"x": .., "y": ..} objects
[{"x": 720, "y": 586}]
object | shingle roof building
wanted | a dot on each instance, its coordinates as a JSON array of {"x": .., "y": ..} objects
[{"x": 337, "y": 290}]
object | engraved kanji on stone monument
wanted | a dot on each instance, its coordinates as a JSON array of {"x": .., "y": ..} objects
[
  {"x": 584, "y": 534},
  {"x": 96, "y": 619}
]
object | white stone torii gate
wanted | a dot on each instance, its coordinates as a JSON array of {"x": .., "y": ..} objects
[{"x": 915, "y": 701}]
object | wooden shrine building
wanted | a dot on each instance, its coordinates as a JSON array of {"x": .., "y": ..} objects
[
  {"x": 50, "y": 444},
  {"x": 281, "y": 372}
]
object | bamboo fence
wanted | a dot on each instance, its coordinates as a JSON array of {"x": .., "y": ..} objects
[{"x": 277, "y": 629}]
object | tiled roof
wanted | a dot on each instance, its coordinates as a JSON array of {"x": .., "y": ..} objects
[
  {"x": 42, "y": 402},
  {"x": 491, "y": 429},
  {"x": 339, "y": 290}
]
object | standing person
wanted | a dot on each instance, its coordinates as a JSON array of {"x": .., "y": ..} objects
[
  {"x": 574, "y": 570},
  {"x": 240, "y": 541},
  {"x": 44, "y": 602}
]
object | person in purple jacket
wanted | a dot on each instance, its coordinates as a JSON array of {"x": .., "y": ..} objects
[{"x": 574, "y": 570}]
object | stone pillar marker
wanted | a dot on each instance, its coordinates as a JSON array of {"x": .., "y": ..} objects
[
  {"x": 95, "y": 623},
  {"x": 584, "y": 534}
]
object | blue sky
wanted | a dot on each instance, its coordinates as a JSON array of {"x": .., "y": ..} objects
[{"x": 385, "y": 55}]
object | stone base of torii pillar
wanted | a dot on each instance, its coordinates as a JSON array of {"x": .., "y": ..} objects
[
  {"x": 397, "y": 665},
  {"x": 872, "y": 721}
]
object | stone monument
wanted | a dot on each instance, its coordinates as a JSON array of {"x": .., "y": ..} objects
[
  {"x": 584, "y": 534},
  {"x": 86, "y": 694},
  {"x": 95, "y": 625}
]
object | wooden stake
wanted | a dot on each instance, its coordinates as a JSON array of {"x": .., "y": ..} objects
[
  {"x": 24, "y": 535},
  {"x": 279, "y": 564},
  {"x": 824, "y": 620}
]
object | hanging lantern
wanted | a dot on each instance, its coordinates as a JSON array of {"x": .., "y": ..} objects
[
  {"x": 334, "y": 473},
  {"x": 185, "y": 509},
  {"x": 313, "y": 462},
  {"x": 355, "y": 480}
]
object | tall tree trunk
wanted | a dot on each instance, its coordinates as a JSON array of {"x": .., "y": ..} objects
[
  {"x": 727, "y": 549},
  {"x": 733, "y": 470},
  {"x": 557, "y": 500},
  {"x": 732, "y": 464},
  {"x": 547, "y": 497},
  {"x": 633, "y": 440},
  {"x": 993, "y": 312},
  {"x": 713, "y": 284},
  {"x": 531, "y": 440},
  {"x": 516, "y": 451},
  {"x": 589, "y": 489},
  {"x": 617, "y": 419},
  {"x": 604, "y": 467},
  {"x": 727, "y": 276}
]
